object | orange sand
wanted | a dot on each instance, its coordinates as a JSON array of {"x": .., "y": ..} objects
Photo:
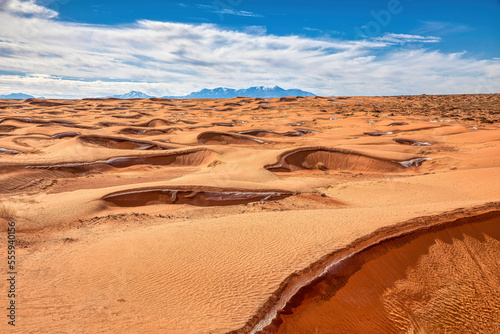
[
  {"x": 190, "y": 216},
  {"x": 440, "y": 280}
]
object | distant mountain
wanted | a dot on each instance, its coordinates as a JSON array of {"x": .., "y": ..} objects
[
  {"x": 227, "y": 93},
  {"x": 216, "y": 93},
  {"x": 132, "y": 95},
  {"x": 17, "y": 96}
]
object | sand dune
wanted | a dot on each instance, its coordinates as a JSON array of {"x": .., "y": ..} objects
[
  {"x": 442, "y": 278},
  {"x": 193, "y": 196},
  {"x": 263, "y": 133},
  {"x": 119, "y": 143},
  {"x": 247, "y": 215},
  {"x": 221, "y": 138},
  {"x": 337, "y": 159}
]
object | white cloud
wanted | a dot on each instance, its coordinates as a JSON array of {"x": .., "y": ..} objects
[
  {"x": 61, "y": 59},
  {"x": 324, "y": 32},
  {"x": 405, "y": 38},
  {"x": 231, "y": 11},
  {"x": 441, "y": 28},
  {"x": 221, "y": 9},
  {"x": 57, "y": 87},
  {"x": 26, "y": 7},
  {"x": 255, "y": 30}
]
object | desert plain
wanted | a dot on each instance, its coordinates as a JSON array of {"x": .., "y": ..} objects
[{"x": 249, "y": 215}]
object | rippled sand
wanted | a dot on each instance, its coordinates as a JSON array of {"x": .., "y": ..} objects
[
  {"x": 440, "y": 280},
  {"x": 208, "y": 216}
]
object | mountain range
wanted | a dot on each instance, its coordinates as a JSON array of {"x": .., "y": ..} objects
[
  {"x": 216, "y": 93},
  {"x": 132, "y": 95},
  {"x": 16, "y": 96},
  {"x": 260, "y": 91},
  {"x": 224, "y": 93}
]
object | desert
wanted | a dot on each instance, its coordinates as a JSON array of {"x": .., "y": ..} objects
[{"x": 345, "y": 214}]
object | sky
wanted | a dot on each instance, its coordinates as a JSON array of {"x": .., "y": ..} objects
[{"x": 95, "y": 48}]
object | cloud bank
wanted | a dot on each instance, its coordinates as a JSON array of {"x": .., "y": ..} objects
[
  {"x": 29, "y": 8},
  {"x": 41, "y": 55}
]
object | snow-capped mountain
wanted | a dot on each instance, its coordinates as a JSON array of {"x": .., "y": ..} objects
[
  {"x": 17, "y": 96},
  {"x": 132, "y": 95},
  {"x": 260, "y": 91},
  {"x": 215, "y": 93}
]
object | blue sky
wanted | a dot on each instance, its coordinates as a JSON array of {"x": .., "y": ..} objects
[{"x": 76, "y": 48}]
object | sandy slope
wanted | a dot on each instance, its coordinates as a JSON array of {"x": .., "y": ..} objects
[
  {"x": 185, "y": 216},
  {"x": 441, "y": 279}
]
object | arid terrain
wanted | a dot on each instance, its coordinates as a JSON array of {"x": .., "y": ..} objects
[{"x": 247, "y": 215}]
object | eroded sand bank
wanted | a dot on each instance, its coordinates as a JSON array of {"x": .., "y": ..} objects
[{"x": 425, "y": 276}]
